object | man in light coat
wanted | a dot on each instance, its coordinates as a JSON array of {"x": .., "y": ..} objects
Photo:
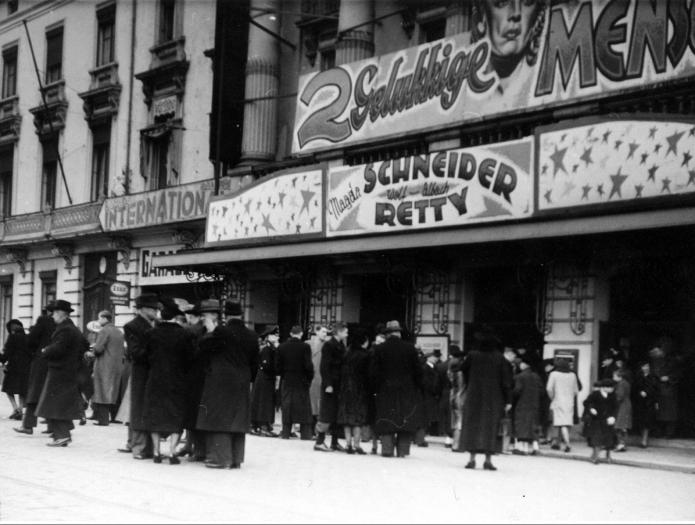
[
  {"x": 316, "y": 344},
  {"x": 109, "y": 357}
]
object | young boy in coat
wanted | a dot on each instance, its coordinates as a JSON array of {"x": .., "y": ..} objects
[{"x": 601, "y": 409}]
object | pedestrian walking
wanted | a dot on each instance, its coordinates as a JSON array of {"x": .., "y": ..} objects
[
  {"x": 232, "y": 354},
  {"x": 646, "y": 390},
  {"x": 623, "y": 419},
  {"x": 322, "y": 335},
  {"x": 60, "y": 401},
  {"x": 528, "y": 396},
  {"x": 488, "y": 398},
  {"x": 38, "y": 338},
  {"x": 396, "y": 374},
  {"x": 17, "y": 360},
  {"x": 601, "y": 409},
  {"x": 263, "y": 392},
  {"x": 332, "y": 355},
  {"x": 168, "y": 351},
  {"x": 296, "y": 370},
  {"x": 136, "y": 331},
  {"x": 562, "y": 388},
  {"x": 666, "y": 367},
  {"x": 353, "y": 398},
  {"x": 109, "y": 354}
]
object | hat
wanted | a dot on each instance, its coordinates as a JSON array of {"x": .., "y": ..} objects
[
  {"x": 528, "y": 359},
  {"x": 608, "y": 383},
  {"x": 393, "y": 326},
  {"x": 16, "y": 322},
  {"x": 380, "y": 329},
  {"x": 338, "y": 326},
  {"x": 93, "y": 326},
  {"x": 49, "y": 306},
  {"x": 455, "y": 351},
  {"x": 296, "y": 330},
  {"x": 271, "y": 330},
  {"x": 147, "y": 300},
  {"x": 194, "y": 309},
  {"x": 209, "y": 305},
  {"x": 63, "y": 306},
  {"x": 169, "y": 308},
  {"x": 232, "y": 308}
]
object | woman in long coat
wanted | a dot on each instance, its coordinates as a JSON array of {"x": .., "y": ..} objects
[
  {"x": 562, "y": 388},
  {"x": 600, "y": 409},
  {"x": 353, "y": 397},
  {"x": 488, "y": 395},
  {"x": 623, "y": 419},
  {"x": 645, "y": 390},
  {"x": 169, "y": 349},
  {"x": 18, "y": 362},
  {"x": 528, "y": 393},
  {"x": 263, "y": 391}
]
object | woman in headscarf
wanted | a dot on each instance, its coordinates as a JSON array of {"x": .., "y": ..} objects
[{"x": 17, "y": 361}]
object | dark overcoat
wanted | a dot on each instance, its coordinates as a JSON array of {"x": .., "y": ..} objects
[
  {"x": 169, "y": 349},
  {"x": 195, "y": 376},
  {"x": 109, "y": 354},
  {"x": 397, "y": 380},
  {"x": 528, "y": 394},
  {"x": 597, "y": 430},
  {"x": 296, "y": 370},
  {"x": 444, "y": 407},
  {"x": 354, "y": 395},
  {"x": 263, "y": 391},
  {"x": 231, "y": 356},
  {"x": 332, "y": 355},
  {"x": 431, "y": 393},
  {"x": 136, "y": 332},
  {"x": 489, "y": 384},
  {"x": 60, "y": 397},
  {"x": 668, "y": 390},
  {"x": 645, "y": 405},
  {"x": 16, "y": 355},
  {"x": 623, "y": 419},
  {"x": 38, "y": 338}
]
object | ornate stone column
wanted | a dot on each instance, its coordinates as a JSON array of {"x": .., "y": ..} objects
[
  {"x": 358, "y": 43},
  {"x": 457, "y": 17},
  {"x": 262, "y": 77}
]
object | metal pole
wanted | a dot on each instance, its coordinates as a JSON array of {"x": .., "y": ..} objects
[
  {"x": 273, "y": 34},
  {"x": 45, "y": 105}
]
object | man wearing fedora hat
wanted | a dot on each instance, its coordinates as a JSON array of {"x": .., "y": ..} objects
[
  {"x": 39, "y": 337},
  {"x": 136, "y": 331},
  {"x": 108, "y": 352},
  {"x": 296, "y": 370},
  {"x": 60, "y": 401},
  {"x": 263, "y": 392},
  {"x": 397, "y": 377}
]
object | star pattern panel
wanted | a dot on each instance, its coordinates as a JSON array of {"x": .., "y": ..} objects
[
  {"x": 616, "y": 160},
  {"x": 289, "y": 204}
]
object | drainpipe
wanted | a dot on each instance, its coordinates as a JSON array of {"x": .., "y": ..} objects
[{"x": 131, "y": 81}]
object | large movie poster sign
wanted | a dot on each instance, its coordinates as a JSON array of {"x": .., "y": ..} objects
[
  {"x": 439, "y": 189},
  {"x": 615, "y": 161},
  {"x": 544, "y": 56}
]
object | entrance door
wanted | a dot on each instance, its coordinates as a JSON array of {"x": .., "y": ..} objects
[{"x": 380, "y": 304}]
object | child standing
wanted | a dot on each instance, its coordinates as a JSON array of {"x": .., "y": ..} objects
[
  {"x": 602, "y": 409},
  {"x": 623, "y": 420}
]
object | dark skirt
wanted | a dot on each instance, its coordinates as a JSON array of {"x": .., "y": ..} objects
[{"x": 263, "y": 399}]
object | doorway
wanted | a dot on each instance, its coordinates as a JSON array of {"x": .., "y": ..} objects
[{"x": 379, "y": 303}]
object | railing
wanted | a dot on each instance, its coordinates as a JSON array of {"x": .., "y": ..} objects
[{"x": 61, "y": 222}]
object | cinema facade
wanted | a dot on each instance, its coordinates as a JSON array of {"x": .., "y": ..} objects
[{"x": 560, "y": 210}]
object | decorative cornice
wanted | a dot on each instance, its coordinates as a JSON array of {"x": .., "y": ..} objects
[
  {"x": 123, "y": 245},
  {"x": 66, "y": 251},
  {"x": 17, "y": 255}
]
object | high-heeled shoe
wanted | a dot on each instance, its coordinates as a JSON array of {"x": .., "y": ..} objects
[
  {"x": 157, "y": 458},
  {"x": 568, "y": 448},
  {"x": 360, "y": 451},
  {"x": 350, "y": 450},
  {"x": 489, "y": 466},
  {"x": 470, "y": 465},
  {"x": 173, "y": 460}
]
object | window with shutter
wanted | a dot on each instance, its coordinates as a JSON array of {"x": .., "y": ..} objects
[
  {"x": 54, "y": 55},
  {"x": 50, "y": 172},
  {"x": 101, "y": 138},
  {"x": 9, "y": 72}
]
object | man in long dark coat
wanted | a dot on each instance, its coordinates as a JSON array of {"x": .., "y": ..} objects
[
  {"x": 397, "y": 378},
  {"x": 195, "y": 377},
  {"x": 136, "y": 331},
  {"x": 39, "y": 337},
  {"x": 296, "y": 370},
  {"x": 263, "y": 392},
  {"x": 108, "y": 353},
  {"x": 431, "y": 393},
  {"x": 224, "y": 405},
  {"x": 488, "y": 397},
  {"x": 60, "y": 401},
  {"x": 332, "y": 356}
]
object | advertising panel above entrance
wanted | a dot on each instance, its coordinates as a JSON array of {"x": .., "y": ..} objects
[
  {"x": 439, "y": 189},
  {"x": 553, "y": 55},
  {"x": 605, "y": 162}
]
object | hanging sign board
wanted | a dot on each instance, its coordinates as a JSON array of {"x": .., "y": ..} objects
[
  {"x": 119, "y": 292},
  {"x": 436, "y": 190},
  {"x": 556, "y": 53}
]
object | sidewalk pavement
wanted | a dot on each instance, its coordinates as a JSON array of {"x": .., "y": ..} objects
[{"x": 659, "y": 456}]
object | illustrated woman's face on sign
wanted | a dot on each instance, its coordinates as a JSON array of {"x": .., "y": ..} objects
[{"x": 510, "y": 23}]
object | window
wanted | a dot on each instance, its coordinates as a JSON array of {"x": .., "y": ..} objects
[
  {"x": 167, "y": 11},
  {"x": 100, "y": 161},
  {"x": 5, "y": 305},
  {"x": 9, "y": 72},
  {"x": 48, "y": 287},
  {"x": 105, "y": 35},
  {"x": 50, "y": 172},
  {"x": 12, "y": 6},
  {"x": 54, "y": 55},
  {"x": 160, "y": 158},
  {"x": 6, "y": 170},
  {"x": 327, "y": 57}
]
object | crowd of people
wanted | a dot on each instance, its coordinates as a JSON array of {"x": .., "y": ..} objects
[{"x": 175, "y": 371}]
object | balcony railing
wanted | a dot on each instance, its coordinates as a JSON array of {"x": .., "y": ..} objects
[{"x": 58, "y": 223}]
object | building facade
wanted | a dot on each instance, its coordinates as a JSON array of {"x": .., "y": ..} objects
[{"x": 453, "y": 164}]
